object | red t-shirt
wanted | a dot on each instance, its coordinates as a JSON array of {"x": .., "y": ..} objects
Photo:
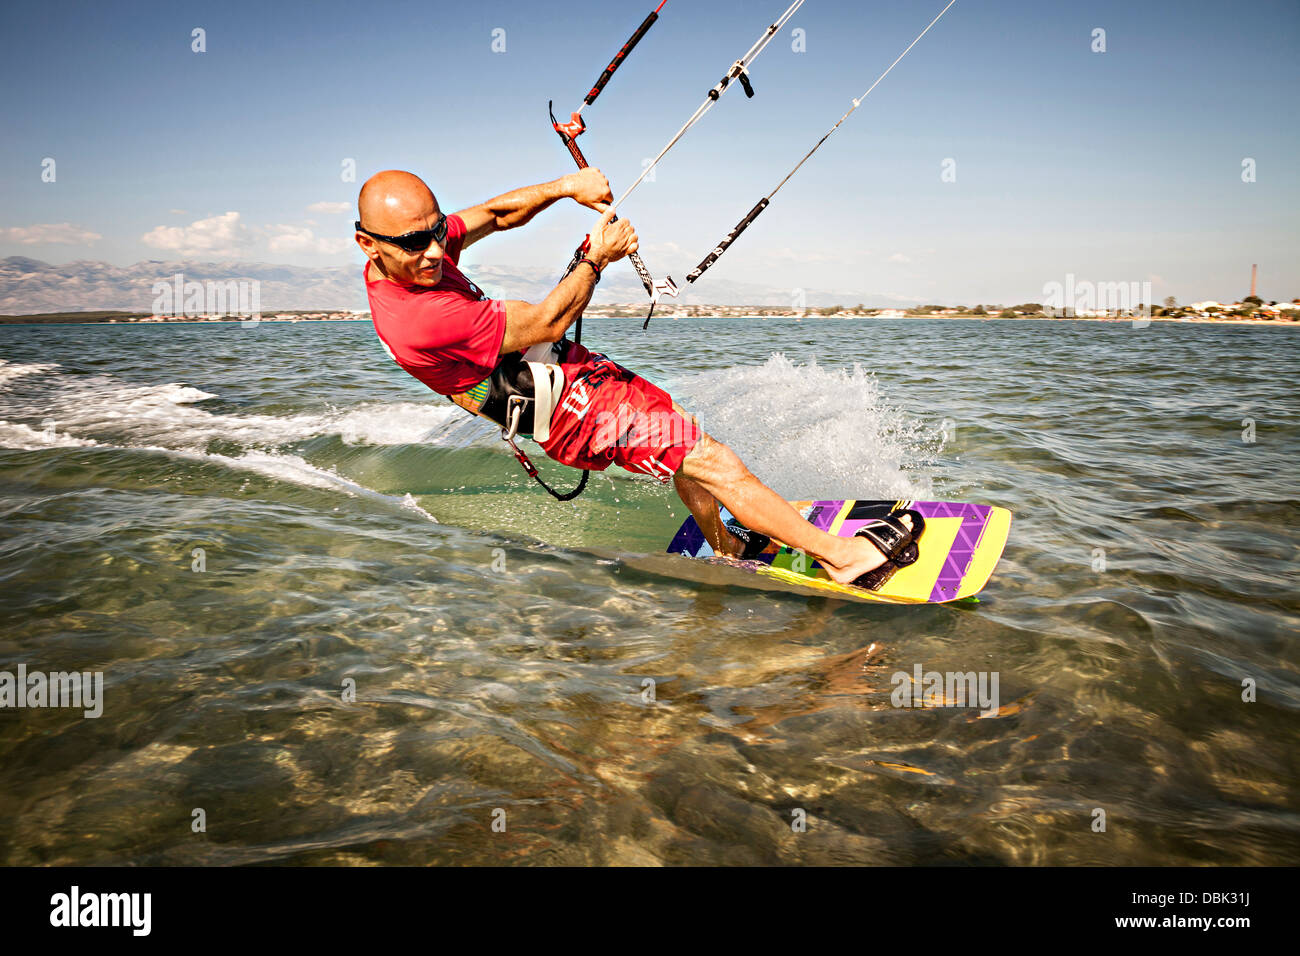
[{"x": 448, "y": 335}]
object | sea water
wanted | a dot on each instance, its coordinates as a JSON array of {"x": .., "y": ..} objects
[{"x": 336, "y": 623}]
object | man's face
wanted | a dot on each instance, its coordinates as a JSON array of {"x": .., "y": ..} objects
[{"x": 423, "y": 268}]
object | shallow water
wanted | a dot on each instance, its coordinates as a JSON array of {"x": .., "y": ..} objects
[{"x": 356, "y": 529}]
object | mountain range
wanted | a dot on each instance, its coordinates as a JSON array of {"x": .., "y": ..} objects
[{"x": 29, "y": 286}]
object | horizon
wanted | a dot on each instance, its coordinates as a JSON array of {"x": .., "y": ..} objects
[{"x": 503, "y": 284}]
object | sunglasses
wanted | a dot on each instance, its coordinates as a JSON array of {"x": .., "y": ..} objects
[{"x": 412, "y": 241}]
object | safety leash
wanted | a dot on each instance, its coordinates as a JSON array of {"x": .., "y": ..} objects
[
  {"x": 532, "y": 473},
  {"x": 514, "y": 411}
]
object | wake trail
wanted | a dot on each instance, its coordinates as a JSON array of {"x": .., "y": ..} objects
[{"x": 62, "y": 411}]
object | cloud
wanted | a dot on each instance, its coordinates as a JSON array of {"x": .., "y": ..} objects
[
  {"x": 840, "y": 256},
  {"x": 898, "y": 257},
  {"x": 61, "y": 233},
  {"x": 222, "y": 235},
  {"x": 289, "y": 239},
  {"x": 330, "y": 207},
  {"x": 663, "y": 250},
  {"x": 226, "y": 236}
]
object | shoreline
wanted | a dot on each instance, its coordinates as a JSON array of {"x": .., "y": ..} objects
[
  {"x": 70, "y": 318},
  {"x": 1198, "y": 320}
]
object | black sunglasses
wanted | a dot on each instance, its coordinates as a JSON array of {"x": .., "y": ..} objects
[{"x": 412, "y": 241}]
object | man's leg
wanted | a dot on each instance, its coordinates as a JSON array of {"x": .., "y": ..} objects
[
  {"x": 705, "y": 509},
  {"x": 703, "y": 506},
  {"x": 712, "y": 470},
  {"x": 651, "y": 443}
]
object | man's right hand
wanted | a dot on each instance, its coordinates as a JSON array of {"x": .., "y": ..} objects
[{"x": 611, "y": 241}]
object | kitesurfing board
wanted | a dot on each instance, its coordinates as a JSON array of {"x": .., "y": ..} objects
[{"x": 959, "y": 549}]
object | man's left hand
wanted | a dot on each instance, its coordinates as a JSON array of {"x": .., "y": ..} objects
[{"x": 590, "y": 187}]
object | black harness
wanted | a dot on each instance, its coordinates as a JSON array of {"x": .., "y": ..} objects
[
  {"x": 512, "y": 378},
  {"x": 511, "y": 385}
]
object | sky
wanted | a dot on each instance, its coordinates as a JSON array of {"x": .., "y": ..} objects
[{"x": 1123, "y": 165}]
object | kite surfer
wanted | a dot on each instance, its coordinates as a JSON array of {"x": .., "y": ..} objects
[{"x": 510, "y": 361}]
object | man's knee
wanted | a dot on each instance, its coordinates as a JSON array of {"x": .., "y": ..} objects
[{"x": 711, "y": 460}]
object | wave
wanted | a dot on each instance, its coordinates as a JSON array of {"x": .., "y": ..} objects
[
  {"x": 9, "y": 371},
  {"x": 299, "y": 471},
  {"x": 20, "y": 437},
  {"x": 170, "y": 415},
  {"x": 806, "y": 430}
]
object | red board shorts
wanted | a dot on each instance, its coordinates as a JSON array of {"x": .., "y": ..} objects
[{"x": 609, "y": 415}]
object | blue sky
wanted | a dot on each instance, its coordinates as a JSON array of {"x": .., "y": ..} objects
[{"x": 1117, "y": 166}]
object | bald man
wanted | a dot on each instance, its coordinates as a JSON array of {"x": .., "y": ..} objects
[{"x": 509, "y": 361}]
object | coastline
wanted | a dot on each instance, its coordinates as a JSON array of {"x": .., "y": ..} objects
[{"x": 76, "y": 318}]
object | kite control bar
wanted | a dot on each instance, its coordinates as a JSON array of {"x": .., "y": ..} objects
[
  {"x": 653, "y": 288},
  {"x": 569, "y": 133}
]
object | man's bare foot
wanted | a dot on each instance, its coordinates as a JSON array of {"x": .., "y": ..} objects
[
  {"x": 737, "y": 540},
  {"x": 729, "y": 546},
  {"x": 859, "y": 557}
]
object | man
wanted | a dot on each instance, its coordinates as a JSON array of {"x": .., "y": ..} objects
[{"x": 440, "y": 327}]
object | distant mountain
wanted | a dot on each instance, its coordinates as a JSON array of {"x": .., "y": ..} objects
[{"x": 30, "y": 286}]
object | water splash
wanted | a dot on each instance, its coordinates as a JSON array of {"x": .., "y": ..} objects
[{"x": 808, "y": 430}]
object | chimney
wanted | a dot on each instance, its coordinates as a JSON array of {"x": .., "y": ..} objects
[{"x": 1254, "y": 273}]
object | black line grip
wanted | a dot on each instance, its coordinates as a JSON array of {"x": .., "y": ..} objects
[
  {"x": 621, "y": 55},
  {"x": 722, "y": 247}
]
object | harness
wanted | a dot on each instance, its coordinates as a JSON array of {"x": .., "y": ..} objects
[
  {"x": 523, "y": 390},
  {"x": 520, "y": 396}
]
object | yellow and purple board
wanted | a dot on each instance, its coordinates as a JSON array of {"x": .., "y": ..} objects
[{"x": 959, "y": 549}]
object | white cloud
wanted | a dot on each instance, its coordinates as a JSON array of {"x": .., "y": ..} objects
[
  {"x": 842, "y": 256},
  {"x": 898, "y": 257},
  {"x": 663, "y": 250},
  {"x": 284, "y": 238},
  {"x": 330, "y": 207},
  {"x": 62, "y": 233},
  {"x": 222, "y": 235}
]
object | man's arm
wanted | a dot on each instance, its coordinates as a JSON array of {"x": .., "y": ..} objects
[
  {"x": 547, "y": 321},
  {"x": 513, "y": 209}
]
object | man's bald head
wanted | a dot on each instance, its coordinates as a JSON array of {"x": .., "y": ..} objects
[{"x": 395, "y": 202}]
